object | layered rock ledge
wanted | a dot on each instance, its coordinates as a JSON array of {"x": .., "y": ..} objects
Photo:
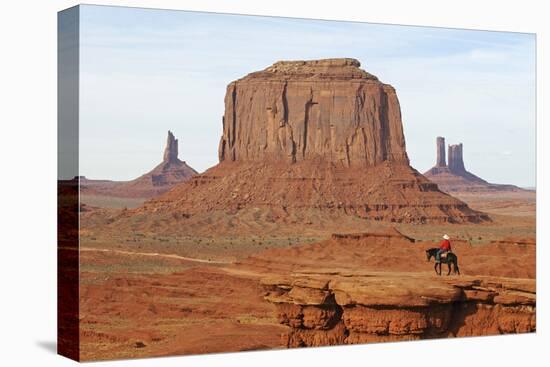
[
  {"x": 378, "y": 286},
  {"x": 332, "y": 307}
]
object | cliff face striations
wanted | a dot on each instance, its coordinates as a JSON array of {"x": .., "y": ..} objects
[{"x": 303, "y": 110}]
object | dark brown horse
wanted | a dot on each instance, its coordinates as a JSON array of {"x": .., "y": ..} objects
[{"x": 449, "y": 259}]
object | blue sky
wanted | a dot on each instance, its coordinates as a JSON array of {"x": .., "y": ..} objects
[{"x": 145, "y": 71}]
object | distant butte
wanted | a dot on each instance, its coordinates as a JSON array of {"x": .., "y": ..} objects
[
  {"x": 170, "y": 172},
  {"x": 453, "y": 177},
  {"x": 305, "y": 140},
  {"x": 325, "y": 110}
]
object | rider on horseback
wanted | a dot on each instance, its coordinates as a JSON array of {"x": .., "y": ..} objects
[{"x": 444, "y": 247}]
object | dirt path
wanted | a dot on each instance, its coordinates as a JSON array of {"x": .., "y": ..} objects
[{"x": 133, "y": 253}]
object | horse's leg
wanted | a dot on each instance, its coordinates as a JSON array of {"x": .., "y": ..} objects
[
  {"x": 457, "y": 271},
  {"x": 435, "y": 268},
  {"x": 449, "y": 268},
  {"x": 439, "y": 268}
]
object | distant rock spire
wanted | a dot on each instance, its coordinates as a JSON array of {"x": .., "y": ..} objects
[
  {"x": 440, "y": 162},
  {"x": 456, "y": 161},
  {"x": 171, "y": 150}
]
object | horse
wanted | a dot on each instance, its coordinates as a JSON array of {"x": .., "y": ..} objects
[{"x": 451, "y": 258}]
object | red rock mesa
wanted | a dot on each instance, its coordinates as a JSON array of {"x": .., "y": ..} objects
[
  {"x": 308, "y": 138},
  {"x": 328, "y": 110}
]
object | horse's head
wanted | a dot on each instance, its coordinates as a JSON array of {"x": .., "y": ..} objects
[{"x": 429, "y": 254}]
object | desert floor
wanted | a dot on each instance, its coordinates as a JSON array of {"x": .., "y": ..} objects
[{"x": 146, "y": 294}]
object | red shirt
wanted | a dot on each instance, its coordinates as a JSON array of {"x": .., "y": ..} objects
[{"x": 445, "y": 245}]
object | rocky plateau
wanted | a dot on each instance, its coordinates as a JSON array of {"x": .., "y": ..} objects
[{"x": 374, "y": 287}]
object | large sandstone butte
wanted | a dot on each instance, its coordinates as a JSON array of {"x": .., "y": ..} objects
[
  {"x": 170, "y": 172},
  {"x": 453, "y": 177},
  {"x": 328, "y": 110},
  {"x": 303, "y": 139}
]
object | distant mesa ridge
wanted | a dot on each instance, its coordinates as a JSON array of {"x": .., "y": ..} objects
[
  {"x": 310, "y": 139},
  {"x": 453, "y": 177}
]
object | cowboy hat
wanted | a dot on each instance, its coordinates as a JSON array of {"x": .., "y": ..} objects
[{"x": 446, "y": 237}]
